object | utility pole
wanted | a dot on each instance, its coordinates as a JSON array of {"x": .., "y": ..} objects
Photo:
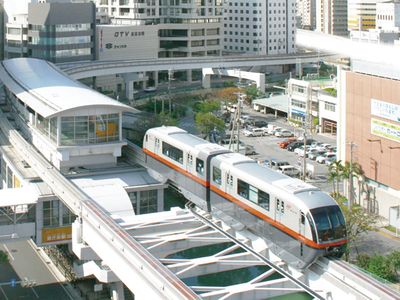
[
  {"x": 307, "y": 126},
  {"x": 170, "y": 77},
  {"x": 351, "y": 192}
]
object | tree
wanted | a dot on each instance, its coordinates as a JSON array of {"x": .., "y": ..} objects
[
  {"x": 357, "y": 222},
  {"x": 335, "y": 175},
  {"x": 382, "y": 267},
  {"x": 251, "y": 93},
  {"x": 3, "y": 257},
  {"x": 207, "y": 106},
  {"x": 205, "y": 122},
  {"x": 229, "y": 93}
]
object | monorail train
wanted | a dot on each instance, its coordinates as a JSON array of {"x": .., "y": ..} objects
[{"x": 298, "y": 221}]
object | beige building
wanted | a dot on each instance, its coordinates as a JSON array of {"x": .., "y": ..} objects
[
  {"x": 361, "y": 14},
  {"x": 331, "y": 17}
]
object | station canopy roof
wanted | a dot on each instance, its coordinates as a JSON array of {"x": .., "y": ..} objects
[
  {"x": 49, "y": 91},
  {"x": 277, "y": 102}
]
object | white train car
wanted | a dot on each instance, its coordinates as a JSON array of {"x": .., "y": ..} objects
[{"x": 298, "y": 221}]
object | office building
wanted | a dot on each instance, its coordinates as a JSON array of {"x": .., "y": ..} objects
[
  {"x": 55, "y": 31},
  {"x": 259, "y": 27},
  {"x": 361, "y": 14},
  {"x": 331, "y": 17},
  {"x": 185, "y": 28},
  {"x": 306, "y": 13}
]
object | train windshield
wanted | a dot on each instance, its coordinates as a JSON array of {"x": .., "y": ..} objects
[{"x": 330, "y": 223}]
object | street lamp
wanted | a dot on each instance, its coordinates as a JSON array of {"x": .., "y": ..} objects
[{"x": 351, "y": 194}]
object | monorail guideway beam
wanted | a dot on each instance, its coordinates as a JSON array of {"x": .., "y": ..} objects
[{"x": 111, "y": 242}]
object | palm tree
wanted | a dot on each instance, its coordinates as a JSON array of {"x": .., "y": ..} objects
[{"x": 335, "y": 175}]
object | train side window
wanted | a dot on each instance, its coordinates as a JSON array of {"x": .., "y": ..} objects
[
  {"x": 157, "y": 142},
  {"x": 199, "y": 166},
  {"x": 278, "y": 204},
  {"x": 282, "y": 207},
  {"x": 243, "y": 189},
  {"x": 172, "y": 152},
  {"x": 302, "y": 218},
  {"x": 263, "y": 199},
  {"x": 217, "y": 175}
]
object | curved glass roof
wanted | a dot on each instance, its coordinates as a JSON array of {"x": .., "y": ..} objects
[{"x": 50, "y": 92}]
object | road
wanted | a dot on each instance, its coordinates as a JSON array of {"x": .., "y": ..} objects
[{"x": 25, "y": 262}]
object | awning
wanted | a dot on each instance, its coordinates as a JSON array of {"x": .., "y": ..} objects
[
  {"x": 19, "y": 196},
  {"x": 109, "y": 195}
]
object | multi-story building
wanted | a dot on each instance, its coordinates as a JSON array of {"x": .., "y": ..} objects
[
  {"x": 259, "y": 27},
  {"x": 58, "y": 32},
  {"x": 314, "y": 102},
  {"x": 306, "y": 10},
  {"x": 387, "y": 25},
  {"x": 369, "y": 130},
  {"x": 331, "y": 17},
  {"x": 361, "y": 14},
  {"x": 185, "y": 28},
  {"x": 1, "y": 28},
  {"x": 388, "y": 15}
]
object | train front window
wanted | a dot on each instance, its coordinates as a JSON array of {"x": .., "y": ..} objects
[{"x": 329, "y": 222}]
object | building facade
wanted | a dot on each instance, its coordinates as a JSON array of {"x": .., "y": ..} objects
[
  {"x": 361, "y": 14},
  {"x": 259, "y": 27},
  {"x": 306, "y": 13},
  {"x": 58, "y": 31},
  {"x": 331, "y": 17},
  {"x": 313, "y": 102},
  {"x": 185, "y": 28}
]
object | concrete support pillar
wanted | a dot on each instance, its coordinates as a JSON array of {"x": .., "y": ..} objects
[
  {"x": 155, "y": 76},
  {"x": 206, "y": 81},
  {"x": 94, "y": 84},
  {"x": 129, "y": 89},
  {"x": 117, "y": 291},
  {"x": 261, "y": 83},
  {"x": 189, "y": 76}
]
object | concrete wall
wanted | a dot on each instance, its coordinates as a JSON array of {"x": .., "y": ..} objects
[{"x": 379, "y": 162}]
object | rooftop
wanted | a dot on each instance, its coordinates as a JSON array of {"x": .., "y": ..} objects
[{"x": 50, "y": 92}]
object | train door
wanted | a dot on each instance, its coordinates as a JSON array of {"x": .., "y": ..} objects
[
  {"x": 302, "y": 223},
  {"x": 279, "y": 209}
]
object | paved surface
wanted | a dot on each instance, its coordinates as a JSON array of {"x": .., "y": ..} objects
[{"x": 25, "y": 262}]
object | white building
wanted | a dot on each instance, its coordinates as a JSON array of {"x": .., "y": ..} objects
[
  {"x": 362, "y": 14},
  {"x": 306, "y": 12},
  {"x": 185, "y": 28},
  {"x": 259, "y": 27},
  {"x": 314, "y": 102},
  {"x": 387, "y": 25}
]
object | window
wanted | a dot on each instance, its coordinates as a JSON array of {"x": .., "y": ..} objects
[
  {"x": 199, "y": 166},
  {"x": 172, "y": 152},
  {"x": 263, "y": 199},
  {"x": 329, "y": 106},
  {"x": 190, "y": 159},
  {"x": 67, "y": 216},
  {"x": 51, "y": 213},
  {"x": 243, "y": 189},
  {"x": 217, "y": 175},
  {"x": 148, "y": 202}
]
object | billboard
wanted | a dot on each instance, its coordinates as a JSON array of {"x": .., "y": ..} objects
[{"x": 385, "y": 130}]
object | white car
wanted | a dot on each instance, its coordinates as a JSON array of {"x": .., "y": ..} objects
[
  {"x": 300, "y": 149},
  {"x": 321, "y": 159},
  {"x": 323, "y": 147},
  {"x": 253, "y": 132},
  {"x": 288, "y": 170},
  {"x": 284, "y": 133},
  {"x": 150, "y": 89}
]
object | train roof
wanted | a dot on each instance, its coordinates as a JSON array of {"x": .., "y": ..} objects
[
  {"x": 257, "y": 175},
  {"x": 184, "y": 138}
]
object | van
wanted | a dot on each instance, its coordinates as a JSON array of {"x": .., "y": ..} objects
[
  {"x": 275, "y": 164},
  {"x": 289, "y": 170}
]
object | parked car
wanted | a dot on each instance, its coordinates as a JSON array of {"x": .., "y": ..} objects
[
  {"x": 284, "y": 133},
  {"x": 330, "y": 160},
  {"x": 312, "y": 150},
  {"x": 259, "y": 123},
  {"x": 301, "y": 149},
  {"x": 292, "y": 146},
  {"x": 253, "y": 132},
  {"x": 150, "y": 89},
  {"x": 324, "y": 146},
  {"x": 275, "y": 164},
  {"x": 321, "y": 159},
  {"x": 289, "y": 170},
  {"x": 314, "y": 155},
  {"x": 285, "y": 143}
]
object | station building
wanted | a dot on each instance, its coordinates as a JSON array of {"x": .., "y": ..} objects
[{"x": 79, "y": 131}]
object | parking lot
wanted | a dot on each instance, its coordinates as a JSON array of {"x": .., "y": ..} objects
[{"x": 267, "y": 148}]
